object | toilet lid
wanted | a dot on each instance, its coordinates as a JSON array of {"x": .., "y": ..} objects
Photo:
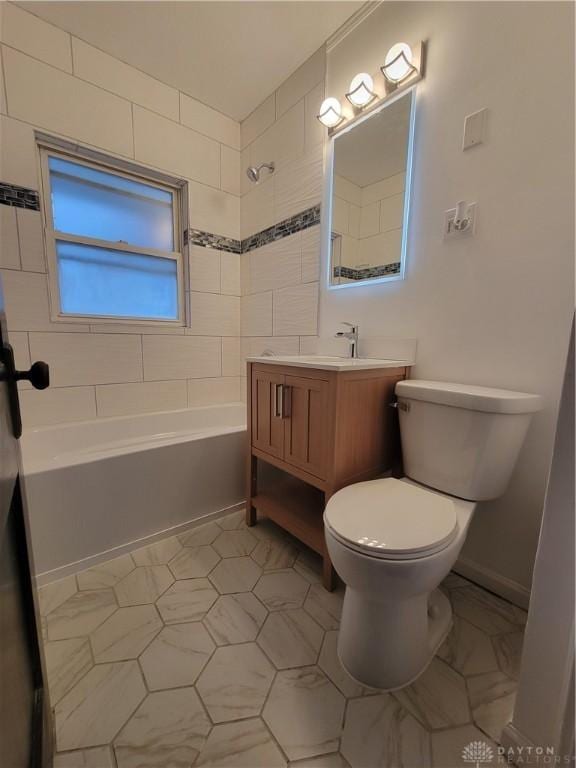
[{"x": 392, "y": 518}]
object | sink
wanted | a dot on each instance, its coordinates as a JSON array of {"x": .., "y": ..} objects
[{"x": 329, "y": 363}]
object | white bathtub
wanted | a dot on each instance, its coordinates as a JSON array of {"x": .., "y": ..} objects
[{"x": 95, "y": 486}]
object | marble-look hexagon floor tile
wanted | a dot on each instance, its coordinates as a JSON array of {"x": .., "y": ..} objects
[
  {"x": 454, "y": 581},
  {"x": 380, "y": 733},
  {"x": 281, "y": 590},
  {"x": 234, "y": 543},
  {"x": 200, "y": 536},
  {"x": 325, "y": 607},
  {"x": 235, "y": 574},
  {"x": 331, "y": 665},
  {"x": 509, "y": 653},
  {"x": 486, "y": 611},
  {"x": 51, "y": 596},
  {"x": 235, "y": 682},
  {"x": 246, "y": 744},
  {"x": 335, "y": 760},
  {"x": 235, "y": 618},
  {"x": 194, "y": 562},
  {"x": 106, "y": 574},
  {"x": 468, "y": 649},
  {"x": 96, "y": 757},
  {"x": 309, "y": 565},
  {"x": 273, "y": 555},
  {"x": 437, "y": 698},
  {"x": 492, "y": 698},
  {"x": 177, "y": 656},
  {"x": 233, "y": 521},
  {"x": 167, "y": 731},
  {"x": 67, "y": 661},
  {"x": 186, "y": 600},
  {"x": 304, "y": 711},
  {"x": 144, "y": 585},
  {"x": 291, "y": 639},
  {"x": 126, "y": 633},
  {"x": 448, "y": 747},
  {"x": 93, "y": 712},
  {"x": 159, "y": 553},
  {"x": 81, "y": 614}
]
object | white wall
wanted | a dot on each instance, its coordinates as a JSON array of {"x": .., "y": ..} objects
[{"x": 496, "y": 309}]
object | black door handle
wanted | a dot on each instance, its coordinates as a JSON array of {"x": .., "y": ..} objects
[{"x": 38, "y": 375}]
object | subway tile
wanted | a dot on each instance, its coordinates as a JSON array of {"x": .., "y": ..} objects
[
  {"x": 370, "y": 219},
  {"x": 314, "y": 132},
  {"x": 301, "y": 81},
  {"x": 258, "y": 121},
  {"x": 180, "y": 357},
  {"x": 31, "y": 240},
  {"x": 257, "y": 208},
  {"x": 31, "y": 35},
  {"x": 230, "y": 170},
  {"x": 209, "y": 121},
  {"x": 311, "y": 255},
  {"x": 180, "y": 150},
  {"x": 212, "y": 314},
  {"x": 391, "y": 212},
  {"x": 145, "y": 396},
  {"x": 244, "y": 273},
  {"x": 283, "y": 141},
  {"x": 213, "y": 391},
  {"x": 56, "y": 405},
  {"x": 231, "y": 356},
  {"x": 56, "y": 101},
  {"x": 230, "y": 273},
  {"x": 347, "y": 190},
  {"x": 354, "y": 220},
  {"x": 19, "y": 342},
  {"x": 137, "y": 328},
  {"x": 275, "y": 265},
  {"x": 298, "y": 184},
  {"x": 309, "y": 345},
  {"x": 27, "y": 306},
  {"x": 18, "y": 152},
  {"x": 108, "y": 72},
  {"x": 381, "y": 249},
  {"x": 256, "y": 314},
  {"x": 296, "y": 310},
  {"x": 205, "y": 266},
  {"x": 9, "y": 248},
  {"x": 245, "y": 183},
  {"x": 277, "y": 345},
  {"x": 393, "y": 185},
  {"x": 340, "y": 215},
  {"x": 88, "y": 358},
  {"x": 214, "y": 211}
]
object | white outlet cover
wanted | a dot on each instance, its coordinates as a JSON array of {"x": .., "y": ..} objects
[
  {"x": 453, "y": 234},
  {"x": 474, "y": 129}
]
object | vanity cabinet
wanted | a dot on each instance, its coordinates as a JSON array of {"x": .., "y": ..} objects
[{"x": 324, "y": 429}]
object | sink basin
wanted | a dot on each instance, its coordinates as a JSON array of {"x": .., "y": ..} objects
[{"x": 329, "y": 363}]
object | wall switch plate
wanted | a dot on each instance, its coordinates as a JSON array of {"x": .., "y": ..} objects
[
  {"x": 450, "y": 232},
  {"x": 474, "y": 129}
]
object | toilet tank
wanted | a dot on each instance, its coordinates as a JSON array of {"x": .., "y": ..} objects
[{"x": 461, "y": 439}]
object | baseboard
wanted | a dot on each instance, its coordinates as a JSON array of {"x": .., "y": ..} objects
[
  {"x": 81, "y": 565},
  {"x": 500, "y": 585}
]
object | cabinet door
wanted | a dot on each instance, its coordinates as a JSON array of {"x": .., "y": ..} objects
[
  {"x": 267, "y": 422},
  {"x": 305, "y": 437}
]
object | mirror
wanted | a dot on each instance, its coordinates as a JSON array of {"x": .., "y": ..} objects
[{"x": 370, "y": 180}]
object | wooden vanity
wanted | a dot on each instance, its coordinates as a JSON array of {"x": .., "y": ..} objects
[{"x": 325, "y": 425}]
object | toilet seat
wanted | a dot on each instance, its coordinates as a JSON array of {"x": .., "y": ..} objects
[{"x": 392, "y": 519}]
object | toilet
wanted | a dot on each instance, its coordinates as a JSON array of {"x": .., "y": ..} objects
[{"x": 392, "y": 541}]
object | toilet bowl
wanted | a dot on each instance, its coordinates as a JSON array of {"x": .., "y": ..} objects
[{"x": 392, "y": 541}]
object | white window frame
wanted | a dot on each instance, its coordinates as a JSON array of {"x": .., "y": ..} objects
[{"x": 98, "y": 161}]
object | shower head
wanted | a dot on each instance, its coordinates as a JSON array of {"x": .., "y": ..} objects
[{"x": 254, "y": 171}]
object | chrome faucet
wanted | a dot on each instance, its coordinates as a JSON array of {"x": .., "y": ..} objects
[{"x": 352, "y": 336}]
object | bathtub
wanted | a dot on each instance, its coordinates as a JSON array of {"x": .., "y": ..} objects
[{"x": 103, "y": 485}]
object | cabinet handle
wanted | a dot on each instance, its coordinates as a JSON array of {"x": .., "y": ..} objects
[
  {"x": 278, "y": 400},
  {"x": 286, "y": 401}
]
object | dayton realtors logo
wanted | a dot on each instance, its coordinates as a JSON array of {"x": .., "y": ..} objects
[
  {"x": 478, "y": 753},
  {"x": 481, "y": 753}
]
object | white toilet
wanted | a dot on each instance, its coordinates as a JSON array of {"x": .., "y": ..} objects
[{"x": 393, "y": 541}]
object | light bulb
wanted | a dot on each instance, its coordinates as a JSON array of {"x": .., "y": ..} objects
[
  {"x": 398, "y": 62},
  {"x": 361, "y": 90},
  {"x": 330, "y": 112}
]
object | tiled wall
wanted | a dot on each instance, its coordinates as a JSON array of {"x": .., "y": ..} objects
[{"x": 62, "y": 86}]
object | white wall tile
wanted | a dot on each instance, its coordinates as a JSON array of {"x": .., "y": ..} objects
[
  {"x": 213, "y": 210},
  {"x": 231, "y": 356},
  {"x": 370, "y": 219},
  {"x": 209, "y": 121},
  {"x": 256, "y": 315},
  {"x": 284, "y": 140},
  {"x": 258, "y": 120},
  {"x": 213, "y": 391},
  {"x": 275, "y": 265},
  {"x": 298, "y": 184},
  {"x": 19, "y": 342},
  {"x": 3, "y": 106},
  {"x": 46, "y": 97},
  {"x": 180, "y": 357},
  {"x": 340, "y": 215},
  {"x": 143, "y": 397},
  {"x": 354, "y": 220},
  {"x": 28, "y": 33},
  {"x": 204, "y": 269},
  {"x": 296, "y": 310},
  {"x": 113, "y": 75},
  {"x": 257, "y": 210},
  {"x": 391, "y": 212},
  {"x": 230, "y": 170},
  {"x": 347, "y": 191},
  {"x": 380, "y": 249},
  {"x": 19, "y": 154},
  {"x": 309, "y": 345},
  {"x": 314, "y": 132},
  {"x": 27, "y": 307},
  {"x": 136, "y": 328},
  {"x": 213, "y": 314},
  {"x": 53, "y": 406},
  {"x": 301, "y": 81},
  {"x": 88, "y": 358},
  {"x": 31, "y": 240},
  {"x": 244, "y": 273},
  {"x": 278, "y": 345},
  {"x": 311, "y": 255},
  {"x": 393, "y": 185},
  {"x": 9, "y": 248},
  {"x": 230, "y": 273},
  {"x": 175, "y": 148}
]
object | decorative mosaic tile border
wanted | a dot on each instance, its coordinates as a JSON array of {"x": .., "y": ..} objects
[
  {"x": 368, "y": 272},
  {"x": 303, "y": 220},
  {"x": 19, "y": 197}
]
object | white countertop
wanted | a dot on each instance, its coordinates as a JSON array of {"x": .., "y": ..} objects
[{"x": 326, "y": 363}]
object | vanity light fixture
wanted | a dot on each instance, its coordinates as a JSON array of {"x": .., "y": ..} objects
[
  {"x": 361, "y": 90},
  {"x": 330, "y": 112},
  {"x": 398, "y": 63}
]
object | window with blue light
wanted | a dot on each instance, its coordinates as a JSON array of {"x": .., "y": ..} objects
[{"x": 113, "y": 243}]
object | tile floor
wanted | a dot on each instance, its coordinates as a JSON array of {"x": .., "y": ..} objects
[{"x": 218, "y": 648}]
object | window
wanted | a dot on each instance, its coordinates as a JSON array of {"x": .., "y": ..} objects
[{"x": 113, "y": 243}]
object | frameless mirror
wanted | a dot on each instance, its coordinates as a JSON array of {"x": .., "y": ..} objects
[{"x": 370, "y": 193}]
